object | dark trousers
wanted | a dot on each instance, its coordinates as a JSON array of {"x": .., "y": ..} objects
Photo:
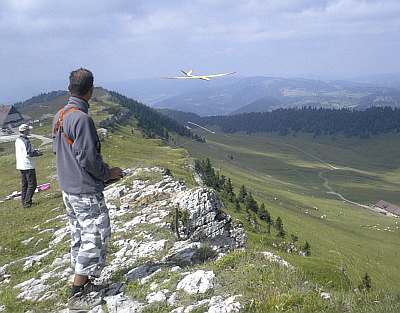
[{"x": 29, "y": 184}]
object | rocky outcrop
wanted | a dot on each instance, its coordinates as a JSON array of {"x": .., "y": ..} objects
[
  {"x": 145, "y": 251},
  {"x": 206, "y": 221}
]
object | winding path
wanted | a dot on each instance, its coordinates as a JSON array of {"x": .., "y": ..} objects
[{"x": 328, "y": 187}]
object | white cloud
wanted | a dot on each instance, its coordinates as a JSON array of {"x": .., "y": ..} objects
[{"x": 146, "y": 36}]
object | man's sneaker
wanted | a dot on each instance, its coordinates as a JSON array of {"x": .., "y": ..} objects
[
  {"x": 91, "y": 287},
  {"x": 81, "y": 302}
]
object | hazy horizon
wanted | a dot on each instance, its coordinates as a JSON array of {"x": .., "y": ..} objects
[{"x": 121, "y": 40}]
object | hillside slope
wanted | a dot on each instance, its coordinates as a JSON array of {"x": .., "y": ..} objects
[
  {"x": 305, "y": 181},
  {"x": 145, "y": 246}
]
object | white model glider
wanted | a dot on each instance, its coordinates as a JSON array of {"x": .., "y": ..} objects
[{"x": 188, "y": 75}]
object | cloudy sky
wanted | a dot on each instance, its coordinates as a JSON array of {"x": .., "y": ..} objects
[{"x": 43, "y": 40}]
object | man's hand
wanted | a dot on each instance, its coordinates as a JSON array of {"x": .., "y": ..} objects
[{"x": 116, "y": 173}]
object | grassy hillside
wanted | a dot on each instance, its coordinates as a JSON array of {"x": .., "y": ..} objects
[
  {"x": 122, "y": 149},
  {"x": 285, "y": 174},
  {"x": 48, "y": 104}
]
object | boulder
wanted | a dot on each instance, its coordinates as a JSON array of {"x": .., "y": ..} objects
[
  {"x": 159, "y": 296},
  {"x": 197, "y": 282},
  {"x": 220, "y": 305},
  {"x": 182, "y": 252},
  {"x": 141, "y": 271},
  {"x": 122, "y": 304},
  {"x": 206, "y": 221}
]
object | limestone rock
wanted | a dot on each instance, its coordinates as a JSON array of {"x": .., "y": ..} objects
[
  {"x": 141, "y": 271},
  {"x": 172, "y": 300},
  {"x": 206, "y": 221},
  {"x": 59, "y": 236},
  {"x": 219, "y": 305},
  {"x": 197, "y": 305},
  {"x": 182, "y": 252},
  {"x": 27, "y": 241},
  {"x": 114, "y": 192},
  {"x": 32, "y": 289},
  {"x": 2, "y": 273},
  {"x": 197, "y": 282},
  {"x": 122, "y": 304},
  {"x": 148, "y": 278},
  {"x": 276, "y": 259},
  {"x": 159, "y": 296},
  {"x": 97, "y": 309}
]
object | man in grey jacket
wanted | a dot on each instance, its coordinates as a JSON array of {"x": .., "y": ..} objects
[{"x": 82, "y": 174}]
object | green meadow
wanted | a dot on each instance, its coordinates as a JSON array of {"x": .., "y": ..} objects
[{"x": 285, "y": 172}]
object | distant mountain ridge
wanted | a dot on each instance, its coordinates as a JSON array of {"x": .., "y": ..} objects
[
  {"x": 261, "y": 105},
  {"x": 255, "y": 94}
]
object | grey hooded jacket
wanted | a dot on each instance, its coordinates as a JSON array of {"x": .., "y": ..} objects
[{"x": 80, "y": 167}]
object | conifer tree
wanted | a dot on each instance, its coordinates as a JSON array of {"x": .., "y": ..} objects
[
  {"x": 237, "y": 205},
  {"x": 197, "y": 167},
  {"x": 279, "y": 227},
  {"x": 263, "y": 214},
  {"x": 366, "y": 283},
  {"x": 221, "y": 181},
  {"x": 207, "y": 166},
  {"x": 268, "y": 227},
  {"x": 250, "y": 203},
  {"x": 216, "y": 181},
  {"x": 228, "y": 189},
  {"x": 307, "y": 249},
  {"x": 242, "y": 194}
]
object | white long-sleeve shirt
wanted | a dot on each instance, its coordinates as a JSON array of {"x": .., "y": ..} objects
[{"x": 24, "y": 154}]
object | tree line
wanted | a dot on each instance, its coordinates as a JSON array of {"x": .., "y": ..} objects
[
  {"x": 317, "y": 121},
  {"x": 243, "y": 200},
  {"x": 150, "y": 121}
]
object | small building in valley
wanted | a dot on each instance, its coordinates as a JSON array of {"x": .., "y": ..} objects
[
  {"x": 388, "y": 207},
  {"x": 10, "y": 116}
]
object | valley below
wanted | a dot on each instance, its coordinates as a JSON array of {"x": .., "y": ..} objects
[{"x": 325, "y": 188}]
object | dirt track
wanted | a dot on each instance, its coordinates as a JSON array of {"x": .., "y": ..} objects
[{"x": 326, "y": 185}]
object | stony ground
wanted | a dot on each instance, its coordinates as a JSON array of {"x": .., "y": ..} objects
[{"x": 163, "y": 235}]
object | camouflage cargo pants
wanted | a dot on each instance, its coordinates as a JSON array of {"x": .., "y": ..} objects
[{"x": 90, "y": 232}]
